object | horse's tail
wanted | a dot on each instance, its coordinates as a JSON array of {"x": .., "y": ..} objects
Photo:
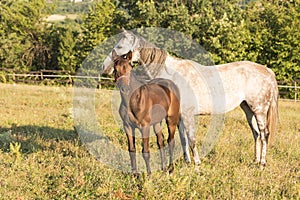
[{"x": 273, "y": 115}]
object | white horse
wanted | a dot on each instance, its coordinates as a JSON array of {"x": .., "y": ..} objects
[{"x": 216, "y": 89}]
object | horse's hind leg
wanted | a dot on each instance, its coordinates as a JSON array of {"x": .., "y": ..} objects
[
  {"x": 184, "y": 141},
  {"x": 255, "y": 131},
  {"x": 264, "y": 133},
  {"x": 189, "y": 122},
  {"x": 160, "y": 142},
  {"x": 146, "y": 152}
]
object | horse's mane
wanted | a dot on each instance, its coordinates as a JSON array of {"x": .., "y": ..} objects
[{"x": 153, "y": 59}]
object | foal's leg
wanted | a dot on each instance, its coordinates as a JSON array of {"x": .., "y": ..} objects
[
  {"x": 171, "y": 141},
  {"x": 255, "y": 131},
  {"x": 160, "y": 142},
  {"x": 146, "y": 152},
  {"x": 131, "y": 147}
]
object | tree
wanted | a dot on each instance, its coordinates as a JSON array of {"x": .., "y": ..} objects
[
  {"x": 275, "y": 31},
  {"x": 22, "y": 43},
  {"x": 102, "y": 21},
  {"x": 221, "y": 30}
]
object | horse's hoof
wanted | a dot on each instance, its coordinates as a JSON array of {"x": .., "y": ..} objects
[
  {"x": 197, "y": 162},
  {"x": 197, "y": 169},
  {"x": 187, "y": 159},
  {"x": 262, "y": 166},
  {"x": 256, "y": 161},
  {"x": 188, "y": 162}
]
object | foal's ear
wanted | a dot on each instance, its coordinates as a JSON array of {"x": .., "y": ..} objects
[
  {"x": 129, "y": 55},
  {"x": 114, "y": 55}
]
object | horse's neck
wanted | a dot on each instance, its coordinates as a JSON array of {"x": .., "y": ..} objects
[
  {"x": 134, "y": 83},
  {"x": 152, "y": 55},
  {"x": 127, "y": 90},
  {"x": 153, "y": 60}
]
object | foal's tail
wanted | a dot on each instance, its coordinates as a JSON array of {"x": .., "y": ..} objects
[{"x": 273, "y": 115}]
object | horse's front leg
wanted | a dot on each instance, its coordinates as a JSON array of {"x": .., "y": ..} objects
[
  {"x": 184, "y": 140},
  {"x": 160, "y": 142},
  {"x": 131, "y": 147},
  {"x": 189, "y": 123},
  {"x": 146, "y": 152}
]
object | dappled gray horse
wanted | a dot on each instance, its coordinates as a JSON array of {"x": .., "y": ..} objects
[{"x": 217, "y": 89}]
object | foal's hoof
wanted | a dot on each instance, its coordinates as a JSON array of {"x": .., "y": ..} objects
[
  {"x": 136, "y": 175},
  {"x": 171, "y": 168}
]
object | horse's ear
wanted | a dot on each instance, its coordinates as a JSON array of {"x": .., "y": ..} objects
[
  {"x": 123, "y": 30},
  {"x": 114, "y": 55},
  {"x": 129, "y": 55}
]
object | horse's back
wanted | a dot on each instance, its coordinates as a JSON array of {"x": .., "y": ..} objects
[
  {"x": 245, "y": 66},
  {"x": 221, "y": 88},
  {"x": 255, "y": 82},
  {"x": 167, "y": 84},
  {"x": 153, "y": 101}
]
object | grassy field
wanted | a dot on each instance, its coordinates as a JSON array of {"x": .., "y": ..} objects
[{"x": 42, "y": 157}]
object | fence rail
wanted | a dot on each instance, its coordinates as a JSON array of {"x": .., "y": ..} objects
[{"x": 291, "y": 89}]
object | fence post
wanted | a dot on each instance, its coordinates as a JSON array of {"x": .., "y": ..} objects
[
  {"x": 42, "y": 77},
  {"x": 295, "y": 90},
  {"x": 99, "y": 81},
  {"x": 70, "y": 79}
]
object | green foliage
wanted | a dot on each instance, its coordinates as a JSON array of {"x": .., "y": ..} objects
[
  {"x": 265, "y": 32},
  {"x": 274, "y": 28},
  {"x": 67, "y": 51},
  {"x": 223, "y": 32},
  {"x": 22, "y": 42},
  {"x": 66, "y": 7},
  {"x": 98, "y": 25}
]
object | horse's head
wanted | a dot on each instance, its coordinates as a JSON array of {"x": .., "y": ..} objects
[
  {"x": 128, "y": 42},
  {"x": 122, "y": 67}
]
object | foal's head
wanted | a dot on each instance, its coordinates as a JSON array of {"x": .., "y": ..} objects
[{"x": 122, "y": 67}]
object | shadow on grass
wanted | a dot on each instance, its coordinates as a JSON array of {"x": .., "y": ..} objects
[{"x": 34, "y": 138}]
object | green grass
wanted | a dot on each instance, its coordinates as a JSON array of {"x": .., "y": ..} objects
[{"x": 52, "y": 163}]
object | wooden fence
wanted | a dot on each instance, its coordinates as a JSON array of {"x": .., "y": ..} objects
[
  {"x": 290, "y": 89},
  {"x": 47, "y": 77}
]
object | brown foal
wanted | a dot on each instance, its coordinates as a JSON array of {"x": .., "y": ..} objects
[{"x": 144, "y": 105}]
